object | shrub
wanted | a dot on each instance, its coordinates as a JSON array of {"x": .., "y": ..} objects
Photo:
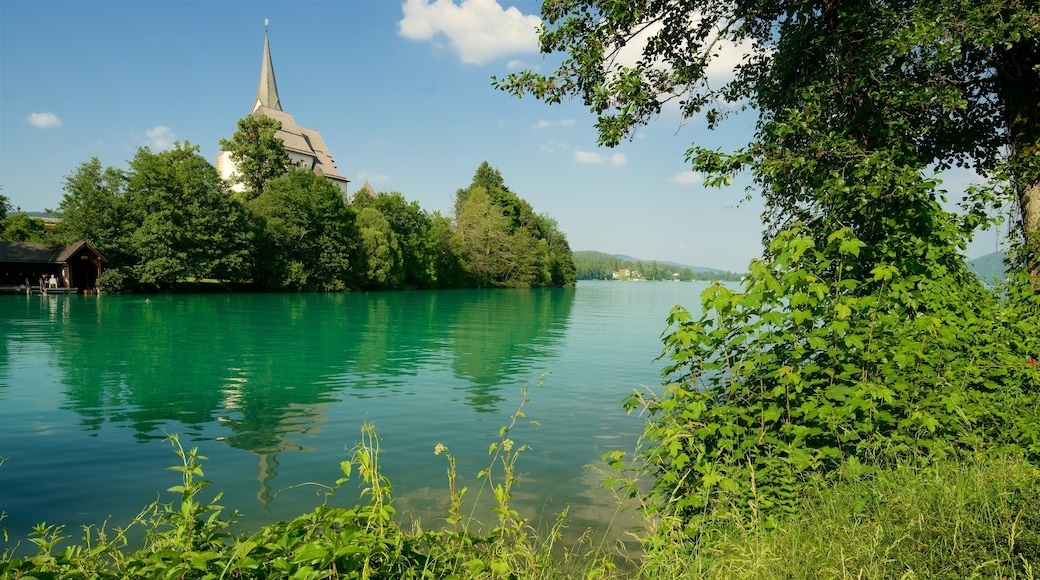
[
  {"x": 805, "y": 373},
  {"x": 116, "y": 281}
]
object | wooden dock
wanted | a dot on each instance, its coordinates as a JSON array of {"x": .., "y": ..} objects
[{"x": 35, "y": 290}]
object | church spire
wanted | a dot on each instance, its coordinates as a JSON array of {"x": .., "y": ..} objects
[{"x": 267, "y": 93}]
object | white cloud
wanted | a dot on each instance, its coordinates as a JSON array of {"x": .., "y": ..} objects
[
  {"x": 561, "y": 123},
  {"x": 44, "y": 120},
  {"x": 587, "y": 158},
  {"x": 618, "y": 160},
  {"x": 552, "y": 146},
  {"x": 726, "y": 55},
  {"x": 686, "y": 178},
  {"x": 478, "y": 30},
  {"x": 160, "y": 137}
]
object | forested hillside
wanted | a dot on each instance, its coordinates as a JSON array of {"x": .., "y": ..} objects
[{"x": 593, "y": 265}]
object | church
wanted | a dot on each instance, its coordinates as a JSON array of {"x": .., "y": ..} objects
[{"x": 305, "y": 146}]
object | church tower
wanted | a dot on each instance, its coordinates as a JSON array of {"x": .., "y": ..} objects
[
  {"x": 267, "y": 93},
  {"x": 305, "y": 146}
]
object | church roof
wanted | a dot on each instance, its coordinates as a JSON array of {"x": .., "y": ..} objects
[
  {"x": 303, "y": 141},
  {"x": 267, "y": 92},
  {"x": 297, "y": 139}
]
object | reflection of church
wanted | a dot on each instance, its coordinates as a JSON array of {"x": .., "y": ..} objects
[
  {"x": 305, "y": 146},
  {"x": 260, "y": 424}
]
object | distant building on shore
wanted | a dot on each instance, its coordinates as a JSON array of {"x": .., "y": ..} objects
[{"x": 305, "y": 146}]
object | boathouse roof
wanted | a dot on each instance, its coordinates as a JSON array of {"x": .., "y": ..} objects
[{"x": 38, "y": 253}]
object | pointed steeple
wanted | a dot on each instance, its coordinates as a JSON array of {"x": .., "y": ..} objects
[{"x": 267, "y": 93}]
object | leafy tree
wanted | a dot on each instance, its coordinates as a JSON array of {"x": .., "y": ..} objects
[
  {"x": 187, "y": 226},
  {"x": 307, "y": 234},
  {"x": 22, "y": 228},
  {"x": 488, "y": 252},
  {"x": 411, "y": 226},
  {"x": 845, "y": 90},
  {"x": 560, "y": 270},
  {"x": 257, "y": 151},
  {"x": 5, "y": 208},
  {"x": 861, "y": 338},
  {"x": 94, "y": 210},
  {"x": 447, "y": 252},
  {"x": 503, "y": 241},
  {"x": 380, "y": 250}
]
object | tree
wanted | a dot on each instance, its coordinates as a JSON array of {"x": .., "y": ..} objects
[
  {"x": 93, "y": 209},
  {"x": 504, "y": 242},
  {"x": 5, "y": 207},
  {"x": 489, "y": 253},
  {"x": 187, "y": 226},
  {"x": 379, "y": 247},
  {"x": 307, "y": 234},
  {"x": 559, "y": 259},
  {"x": 22, "y": 228},
  {"x": 446, "y": 252},
  {"x": 858, "y": 100},
  {"x": 258, "y": 152},
  {"x": 411, "y": 227}
]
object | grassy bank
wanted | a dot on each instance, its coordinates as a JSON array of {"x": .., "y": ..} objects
[{"x": 976, "y": 517}]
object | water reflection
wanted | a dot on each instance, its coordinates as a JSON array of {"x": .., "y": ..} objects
[
  {"x": 497, "y": 335},
  {"x": 89, "y": 386},
  {"x": 258, "y": 371}
]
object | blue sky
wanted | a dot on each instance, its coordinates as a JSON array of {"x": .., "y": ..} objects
[{"x": 399, "y": 90}]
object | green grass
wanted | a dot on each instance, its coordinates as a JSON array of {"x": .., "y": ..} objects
[
  {"x": 956, "y": 519},
  {"x": 973, "y": 518}
]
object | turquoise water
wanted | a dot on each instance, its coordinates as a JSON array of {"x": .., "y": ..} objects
[{"x": 274, "y": 388}]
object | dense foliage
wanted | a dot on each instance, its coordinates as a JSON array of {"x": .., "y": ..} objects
[
  {"x": 592, "y": 265},
  {"x": 19, "y": 227},
  {"x": 800, "y": 375},
  {"x": 845, "y": 90},
  {"x": 169, "y": 220},
  {"x": 258, "y": 152},
  {"x": 860, "y": 341},
  {"x": 504, "y": 242},
  {"x": 305, "y": 234}
]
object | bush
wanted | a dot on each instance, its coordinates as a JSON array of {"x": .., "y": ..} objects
[
  {"x": 116, "y": 281},
  {"x": 806, "y": 373}
]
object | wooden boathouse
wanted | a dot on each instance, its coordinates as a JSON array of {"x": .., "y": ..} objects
[{"x": 24, "y": 266}]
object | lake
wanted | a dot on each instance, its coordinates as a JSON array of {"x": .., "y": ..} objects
[{"x": 274, "y": 388}]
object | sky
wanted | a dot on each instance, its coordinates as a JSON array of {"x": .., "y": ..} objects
[{"x": 400, "y": 91}]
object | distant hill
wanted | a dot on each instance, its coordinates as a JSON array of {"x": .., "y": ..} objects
[
  {"x": 989, "y": 267},
  {"x": 661, "y": 263},
  {"x": 593, "y": 265}
]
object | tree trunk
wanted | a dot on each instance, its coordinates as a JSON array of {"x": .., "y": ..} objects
[{"x": 1019, "y": 85}]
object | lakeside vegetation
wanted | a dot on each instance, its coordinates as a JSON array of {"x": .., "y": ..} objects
[
  {"x": 169, "y": 221},
  {"x": 861, "y": 407}
]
